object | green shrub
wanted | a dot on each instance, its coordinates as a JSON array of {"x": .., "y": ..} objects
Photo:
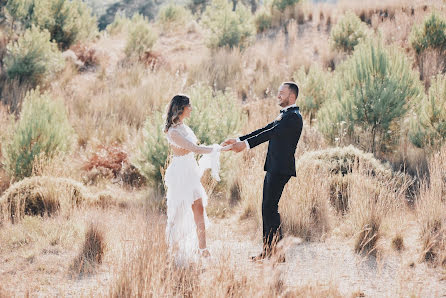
[
  {"x": 172, "y": 16},
  {"x": 228, "y": 28},
  {"x": 263, "y": 20},
  {"x": 67, "y": 21},
  {"x": 141, "y": 37},
  {"x": 315, "y": 87},
  {"x": 33, "y": 58},
  {"x": 119, "y": 25},
  {"x": 428, "y": 127},
  {"x": 215, "y": 116},
  {"x": 128, "y": 8},
  {"x": 153, "y": 152},
  {"x": 348, "y": 33},
  {"x": 374, "y": 89},
  {"x": 429, "y": 35},
  {"x": 284, "y": 4},
  {"x": 43, "y": 128}
]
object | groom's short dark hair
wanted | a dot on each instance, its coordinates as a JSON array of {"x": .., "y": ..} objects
[{"x": 293, "y": 87}]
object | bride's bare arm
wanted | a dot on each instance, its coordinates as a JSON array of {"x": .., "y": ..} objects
[{"x": 188, "y": 145}]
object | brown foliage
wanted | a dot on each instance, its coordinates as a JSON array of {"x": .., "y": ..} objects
[
  {"x": 153, "y": 60},
  {"x": 112, "y": 161},
  {"x": 87, "y": 54}
]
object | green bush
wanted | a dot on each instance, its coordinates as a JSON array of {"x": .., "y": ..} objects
[
  {"x": 428, "y": 127},
  {"x": 315, "y": 87},
  {"x": 284, "y": 4},
  {"x": 33, "y": 58},
  {"x": 374, "y": 89},
  {"x": 228, "y": 28},
  {"x": 67, "y": 21},
  {"x": 141, "y": 37},
  {"x": 215, "y": 116},
  {"x": 43, "y": 128},
  {"x": 119, "y": 25},
  {"x": 348, "y": 33},
  {"x": 153, "y": 152},
  {"x": 172, "y": 16},
  {"x": 429, "y": 35},
  {"x": 263, "y": 20}
]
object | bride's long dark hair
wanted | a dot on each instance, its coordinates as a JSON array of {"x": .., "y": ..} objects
[{"x": 175, "y": 109}]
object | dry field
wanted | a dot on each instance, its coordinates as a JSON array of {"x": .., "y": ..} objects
[{"x": 88, "y": 224}]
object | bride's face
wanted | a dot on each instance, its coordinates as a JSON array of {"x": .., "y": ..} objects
[{"x": 187, "y": 110}]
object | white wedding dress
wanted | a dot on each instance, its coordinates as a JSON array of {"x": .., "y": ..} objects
[{"x": 182, "y": 179}]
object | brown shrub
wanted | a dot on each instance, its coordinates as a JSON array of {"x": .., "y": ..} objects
[
  {"x": 92, "y": 251},
  {"x": 153, "y": 60},
  {"x": 112, "y": 161},
  {"x": 87, "y": 55}
]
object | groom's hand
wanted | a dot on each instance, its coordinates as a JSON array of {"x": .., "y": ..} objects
[
  {"x": 238, "y": 146},
  {"x": 228, "y": 142}
]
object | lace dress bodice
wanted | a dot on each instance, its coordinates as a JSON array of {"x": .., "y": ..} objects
[{"x": 183, "y": 138}]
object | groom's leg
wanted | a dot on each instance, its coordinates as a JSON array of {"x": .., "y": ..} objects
[{"x": 272, "y": 191}]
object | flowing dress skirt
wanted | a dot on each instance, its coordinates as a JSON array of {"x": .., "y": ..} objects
[{"x": 183, "y": 184}]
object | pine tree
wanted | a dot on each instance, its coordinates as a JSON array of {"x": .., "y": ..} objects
[
  {"x": 428, "y": 126},
  {"x": 375, "y": 88}
]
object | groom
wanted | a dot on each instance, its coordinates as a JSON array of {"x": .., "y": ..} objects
[{"x": 283, "y": 135}]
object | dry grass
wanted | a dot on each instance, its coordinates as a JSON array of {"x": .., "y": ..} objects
[
  {"x": 304, "y": 207},
  {"x": 92, "y": 252},
  {"x": 42, "y": 195},
  {"x": 107, "y": 107},
  {"x": 431, "y": 212}
]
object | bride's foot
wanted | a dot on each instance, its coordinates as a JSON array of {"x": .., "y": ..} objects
[
  {"x": 259, "y": 257},
  {"x": 204, "y": 252}
]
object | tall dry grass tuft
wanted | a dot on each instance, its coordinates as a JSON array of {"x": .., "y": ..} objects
[
  {"x": 41, "y": 195},
  {"x": 431, "y": 211},
  {"x": 372, "y": 202},
  {"x": 92, "y": 251},
  {"x": 305, "y": 208},
  {"x": 13, "y": 93}
]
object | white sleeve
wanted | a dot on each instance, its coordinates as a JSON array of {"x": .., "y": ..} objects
[{"x": 184, "y": 143}]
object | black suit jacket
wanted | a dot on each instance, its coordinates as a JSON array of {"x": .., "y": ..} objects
[{"x": 283, "y": 136}]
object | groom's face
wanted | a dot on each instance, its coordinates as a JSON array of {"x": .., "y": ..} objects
[{"x": 283, "y": 96}]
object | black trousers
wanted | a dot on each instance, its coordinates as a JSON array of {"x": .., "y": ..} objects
[{"x": 272, "y": 191}]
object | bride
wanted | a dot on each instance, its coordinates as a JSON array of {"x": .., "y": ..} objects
[{"x": 186, "y": 197}]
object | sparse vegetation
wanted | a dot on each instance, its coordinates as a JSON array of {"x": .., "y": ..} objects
[{"x": 84, "y": 212}]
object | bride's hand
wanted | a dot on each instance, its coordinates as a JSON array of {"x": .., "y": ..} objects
[{"x": 226, "y": 148}]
